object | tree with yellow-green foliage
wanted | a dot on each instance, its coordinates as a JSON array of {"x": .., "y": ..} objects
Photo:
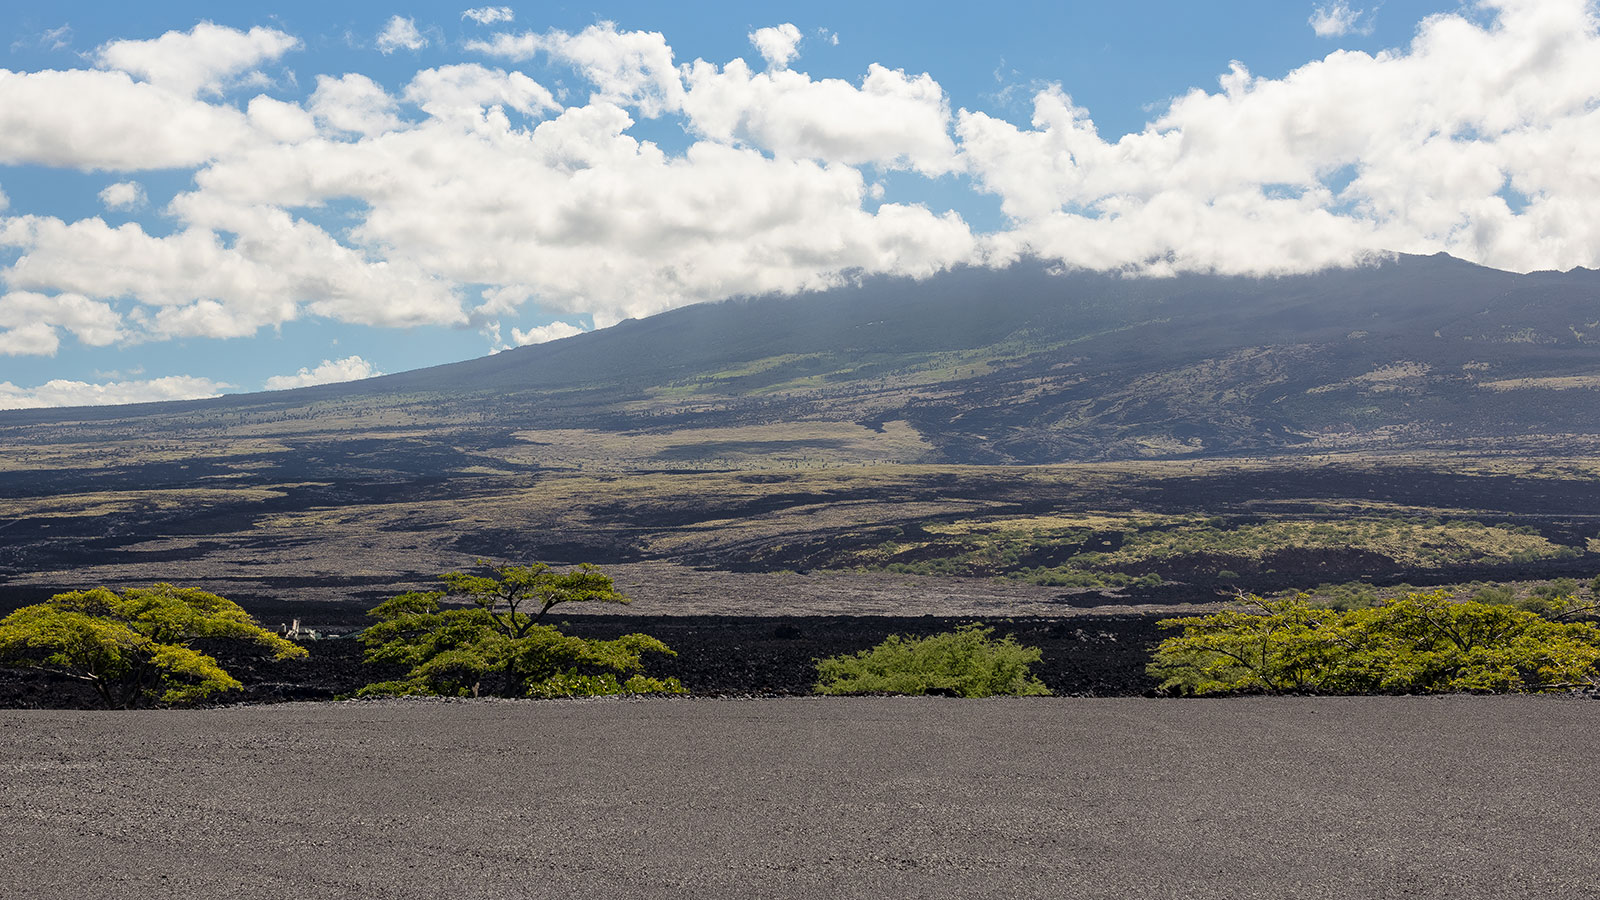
[
  {"x": 134, "y": 648},
  {"x": 497, "y": 644},
  {"x": 1418, "y": 643}
]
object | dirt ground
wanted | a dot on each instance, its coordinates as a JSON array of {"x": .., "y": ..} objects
[{"x": 867, "y": 797}]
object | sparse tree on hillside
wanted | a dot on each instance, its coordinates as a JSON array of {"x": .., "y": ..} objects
[{"x": 134, "y": 648}]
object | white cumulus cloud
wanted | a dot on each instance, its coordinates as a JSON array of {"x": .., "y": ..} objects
[
  {"x": 466, "y": 90},
  {"x": 400, "y": 34},
  {"x": 891, "y": 119},
  {"x": 489, "y": 15},
  {"x": 29, "y": 339},
  {"x": 194, "y": 283},
  {"x": 1410, "y": 150},
  {"x": 279, "y": 121},
  {"x": 201, "y": 59},
  {"x": 106, "y": 120},
  {"x": 579, "y": 215},
  {"x": 629, "y": 68},
  {"x": 1337, "y": 19},
  {"x": 123, "y": 195},
  {"x": 539, "y": 334},
  {"x": 778, "y": 45},
  {"x": 354, "y": 103},
  {"x": 351, "y": 368},
  {"x": 30, "y": 321},
  {"x": 61, "y": 392}
]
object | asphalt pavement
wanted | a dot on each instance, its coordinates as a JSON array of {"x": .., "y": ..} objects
[{"x": 1456, "y": 797}]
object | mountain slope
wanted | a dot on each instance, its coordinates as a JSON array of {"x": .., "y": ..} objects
[
  {"x": 1026, "y": 365},
  {"x": 773, "y": 433}
]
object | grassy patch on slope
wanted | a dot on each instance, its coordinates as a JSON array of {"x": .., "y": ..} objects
[{"x": 1113, "y": 550}]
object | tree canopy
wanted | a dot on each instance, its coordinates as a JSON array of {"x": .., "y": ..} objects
[
  {"x": 1418, "y": 643},
  {"x": 496, "y": 646},
  {"x": 134, "y": 648},
  {"x": 513, "y": 590}
]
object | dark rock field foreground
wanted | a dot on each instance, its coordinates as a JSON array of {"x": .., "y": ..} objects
[{"x": 865, "y": 797}]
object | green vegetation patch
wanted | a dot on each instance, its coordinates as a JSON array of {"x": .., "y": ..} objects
[
  {"x": 967, "y": 662},
  {"x": 725, "y": 379},
  {"x": 1043, "y": 550},
  {"x": 1415, "y": 544},
  {"x": 1113, "y": 551},
  {"x": 1419, "y": 643},
  {"x": 134, "y": 648},
  {"x": 1556, "y": 598}
]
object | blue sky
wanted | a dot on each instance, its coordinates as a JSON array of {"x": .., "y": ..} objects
[{"x": 204, "y": 198}]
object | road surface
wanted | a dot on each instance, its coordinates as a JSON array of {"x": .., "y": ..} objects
[{"x": 866, "y": 797}]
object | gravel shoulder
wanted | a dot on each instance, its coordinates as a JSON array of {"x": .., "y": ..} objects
[{"x": 865, "y": 797}]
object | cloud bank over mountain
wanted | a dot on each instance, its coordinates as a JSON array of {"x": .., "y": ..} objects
[
  {"x": 64, "y": 392},
  {"x": 476, "y": 190}
]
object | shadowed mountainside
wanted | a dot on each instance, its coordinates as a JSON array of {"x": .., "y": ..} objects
[{"x": 1026, "y": 365}]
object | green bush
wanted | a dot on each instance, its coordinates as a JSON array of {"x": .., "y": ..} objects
[
  {"x": 494, "y": 647},
  {"x": 1350, "y": 595},
  {"x": 1494, "y": 595},
  {"x": 135, "y": 648},
  {"x": 1418, "y": 643},
  {"x": 967, "y": 662}
]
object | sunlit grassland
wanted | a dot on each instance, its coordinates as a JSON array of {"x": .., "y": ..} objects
[
  {"x": 713, "y": 382},
  {"x": 804, "y": 445},
  {"x": 1412, "y": 544},
  {"x": 808, "y": 372},
  {"x": 1552, "y": 383},
  {"x": 1093, "y": 549}
]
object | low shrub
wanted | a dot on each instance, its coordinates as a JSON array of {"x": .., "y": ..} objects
[
  {"x": 1350, "y": 595},
  {"x": 967, "y": 662},
  {"x": 572, "y": 684},
  {"x": 1417, "y": 643},
  {"x": 1494, "y": 595}
]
